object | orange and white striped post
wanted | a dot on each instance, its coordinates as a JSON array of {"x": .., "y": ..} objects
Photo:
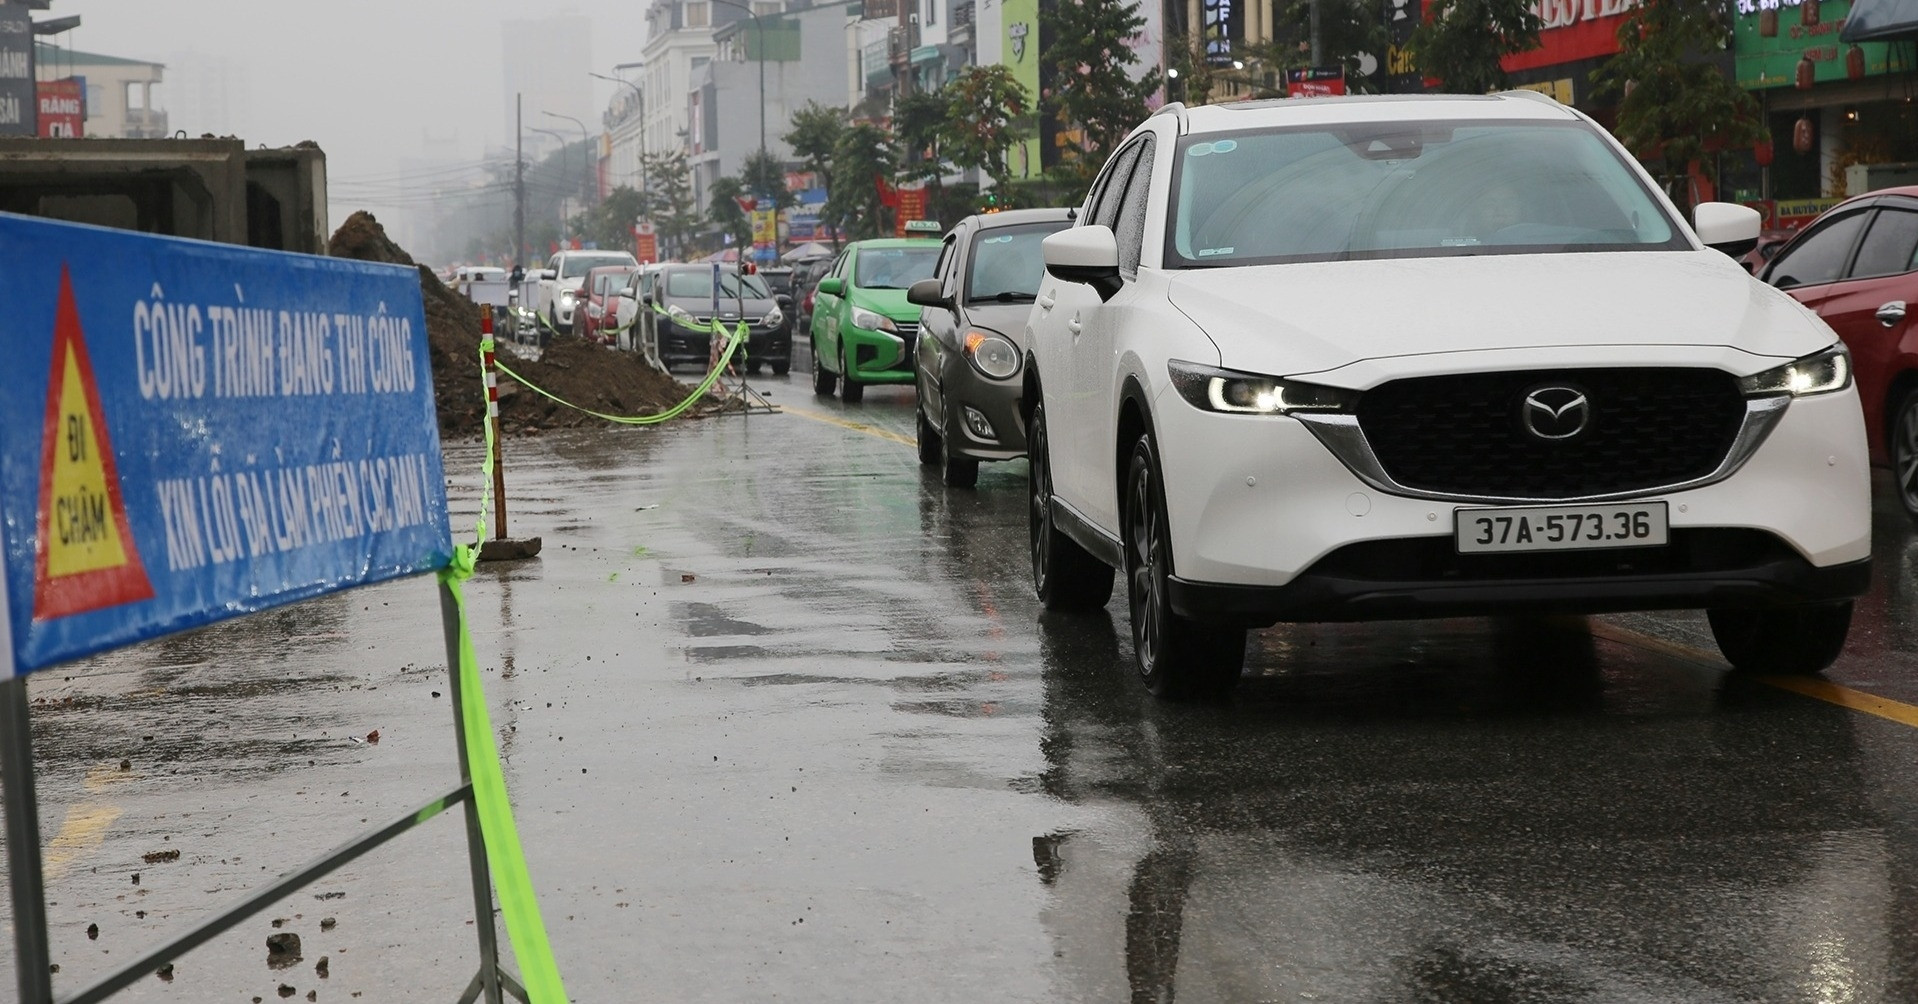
[{"x": 499, "y": 547}]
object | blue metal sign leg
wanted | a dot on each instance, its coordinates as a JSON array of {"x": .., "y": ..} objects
[{"x": 489, "y": 974}]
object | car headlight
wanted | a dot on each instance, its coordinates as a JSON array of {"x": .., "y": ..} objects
[
  {"x": 1209, "y": 388},
  {"x": 566, "y": 296},
  {"x": 774, "y": 318},
  {"x": 863, "y": 318},
  {"x": 991, "y": 354},
  {"x": 1819, "y": 373},
  {"x": 678, "y": 315}
]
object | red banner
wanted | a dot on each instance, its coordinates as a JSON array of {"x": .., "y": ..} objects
[
  {"x": 62, "y": 109},
  {"x": 1574, "y": 30},
  {"x": 1318, "y": 82},
  {"x": 912, "y": 206}
]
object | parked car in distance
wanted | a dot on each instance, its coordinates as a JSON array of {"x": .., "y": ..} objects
[
  {"x": 1309, "y": 360},
  {"x": 686, "y": 294},
  {"x": 632, "y": 313},
  {"x": 1856, "y": 265},
  {"x": 561, "y": 284},
  {"x": 863, "y": 329},
  {"x": 596, "y": 320},
  {"x": 971, "y": 343}
]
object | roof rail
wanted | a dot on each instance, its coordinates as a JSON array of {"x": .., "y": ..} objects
[
  {"x": 1530, "y": 95},
  {"x": 1175, "y": 108}
]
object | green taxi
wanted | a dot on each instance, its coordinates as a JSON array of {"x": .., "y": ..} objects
[{"x": 863, "y": 330}]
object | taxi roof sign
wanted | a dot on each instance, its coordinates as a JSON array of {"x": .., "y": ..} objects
[{"x": 924, "y": 227}]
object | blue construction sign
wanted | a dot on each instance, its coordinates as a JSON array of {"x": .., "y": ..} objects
[{"x": 195, "y": 431}]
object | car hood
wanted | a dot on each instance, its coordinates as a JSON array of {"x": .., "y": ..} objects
[
  {"x": 890, "y": 302},
  {"x": 1320, "y": 316},
  {"x": 1008, "y": 319}
]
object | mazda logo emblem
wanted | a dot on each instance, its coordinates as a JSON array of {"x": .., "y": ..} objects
[{"x": 1556, "y": 412}]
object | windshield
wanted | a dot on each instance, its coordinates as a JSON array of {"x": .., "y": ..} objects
[
  {"x": 609, "y": 281},
  {"x": 1007, "y": 265},
  {"x": 894, "y": 268},
  {"x": 698, "y": 284},
  {"x": 574, "y": 266},
  {"x": 1407, "y": 190}
]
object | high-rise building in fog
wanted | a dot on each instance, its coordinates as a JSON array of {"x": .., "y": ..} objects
[
  {"x": 546, "y": 61},
  {"x": 208, "y": 92}
]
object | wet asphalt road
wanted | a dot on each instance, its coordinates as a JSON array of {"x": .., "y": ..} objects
[{"x": 783, "y": 722}]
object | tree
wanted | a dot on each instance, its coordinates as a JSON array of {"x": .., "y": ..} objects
[
  {"x": 985, "y": 108},
  {"x": 610, "y": 224},
  {"x": 669, "y": 199},
  {"x": 814, "y": 137},
  {"x": 765, "y": 177},
  {"x": 862, "y": 158},
  {"x": 1462, "y": 44},
  {"x": 919, "y": 121},
  {"x": 725, "y": 211},
  {"x": 1676, "y": 105},
  {"x": 1094, "y": 85}
]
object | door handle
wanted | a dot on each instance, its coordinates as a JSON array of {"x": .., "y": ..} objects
[
  {"x": 1891, "y": 313},
  {"x": 1073, "y": 325},
  {"x": 1046, "y": 302}
]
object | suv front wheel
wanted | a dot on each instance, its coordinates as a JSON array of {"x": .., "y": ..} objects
[
  {"x": 1795, "y": 641},
  {"x": 1066, "y": 576},
  {"x": 1178, "y": 656}
]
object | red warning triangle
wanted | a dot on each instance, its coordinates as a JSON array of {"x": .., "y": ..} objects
[{"x": 84, "y": 555}]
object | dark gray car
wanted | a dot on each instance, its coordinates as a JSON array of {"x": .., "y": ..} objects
[{"x": 971, "y": 339}]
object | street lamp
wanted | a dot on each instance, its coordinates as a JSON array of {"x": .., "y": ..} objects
[
  {"x": 639, "y": 93},
  {"x": 586, "y": 153},
  {"x": 759, "y": 56}
]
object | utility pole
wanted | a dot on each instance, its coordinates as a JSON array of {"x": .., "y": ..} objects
[
  {"x": 519, "y": 180},
  {"x": 1315, "y": 34}
]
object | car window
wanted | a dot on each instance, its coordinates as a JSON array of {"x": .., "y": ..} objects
[
  {"x": 1407, "y": 189},
  {"x": 894, "y": 268},
  {"x": 1007, "y": 263},
  {"x": 697, "y": 283},
  {"x": 1820, "y": 257},
  {"x": 942, "y": 269},
  {"x": 579, "y": 265},
  {"x": 1104, "y": 205},
  {"x": 1130, "y": 229},
  {"x": 1890, "y": 246}
]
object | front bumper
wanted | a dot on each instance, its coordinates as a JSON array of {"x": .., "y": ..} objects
[
  {"x": 878, "y": 356},
  {"x": 996, "y": 401},
  {"x": 1267, "y": 524}
]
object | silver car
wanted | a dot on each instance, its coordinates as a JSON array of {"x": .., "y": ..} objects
[{"x": 971, "y": 345}]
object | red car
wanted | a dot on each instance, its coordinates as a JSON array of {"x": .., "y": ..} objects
[
  {"x": 1856, "y": 265},
  {"x": 595, "y": 312}
]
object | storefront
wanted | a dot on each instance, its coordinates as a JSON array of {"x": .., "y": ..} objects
[
  {"x": 1842, "y": 115},
  {"x": 1577, "y": 37}
]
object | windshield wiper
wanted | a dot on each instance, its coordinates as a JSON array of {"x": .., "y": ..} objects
[{"x": 1007, "y": 296}]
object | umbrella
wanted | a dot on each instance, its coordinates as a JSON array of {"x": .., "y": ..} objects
[
  {"x": 807, "y": 252},
  {"x": 1880, "y": 19}
]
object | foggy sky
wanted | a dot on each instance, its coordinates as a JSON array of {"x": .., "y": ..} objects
[{"x": 365, "y": 79}]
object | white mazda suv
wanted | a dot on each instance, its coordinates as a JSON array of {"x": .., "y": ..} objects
[{"x": 1419, "y": 356}]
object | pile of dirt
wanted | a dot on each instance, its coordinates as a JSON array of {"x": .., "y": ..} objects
[{"x": 590, "y": 376}]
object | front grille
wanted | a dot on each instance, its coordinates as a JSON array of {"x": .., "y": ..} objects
[{"x": 1465, "y": 434}]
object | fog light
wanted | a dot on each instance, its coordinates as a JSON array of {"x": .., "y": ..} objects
[{"x": 979, "y": 425}]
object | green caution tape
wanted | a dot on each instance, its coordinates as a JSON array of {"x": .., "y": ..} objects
[
  {"x": 524, "y": 928},
  {"x": 735, "y": 340}
]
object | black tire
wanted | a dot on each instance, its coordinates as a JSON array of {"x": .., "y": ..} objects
[
  {"x": 850, "y": 391},
  {"x": 1782, "y": 641},
  {"x": 1066, "y": 576},
  {"x": 823, "y": 380},
  {"x": 1178, "y": 657},
  {"x": 782, "y": 366},
  {"x": 753, "y": 366},
  {"x": 1903, "y": 449},
  {"x": 929, "y": 445},
  {"x": 956, "y": 471}
]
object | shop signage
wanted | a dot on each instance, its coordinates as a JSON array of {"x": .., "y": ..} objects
[
  {"x": 1320, "y": 81},
  {"x": 1771, "y": 37},
  {"x": 18, "y": 105},
  {"x": 62, "y": 108},
  {"x": 912, "y": 208},
  {"x": 1215, "y": 31},
  {"x": 1020, "y": 45},
  {"x": 1572, "y": 30}
]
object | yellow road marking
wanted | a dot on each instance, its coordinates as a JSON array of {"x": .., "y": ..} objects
[
  {"x": 83, "y": 831},
  {"x": 818, "y": 416},
  {"x": 1808, "y": 686}
]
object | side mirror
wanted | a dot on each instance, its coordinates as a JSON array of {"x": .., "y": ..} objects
[
  {"x": 646, "y": 298},
  {"x": 1727, "y": 227},
  {"x": 833, "y": 286},
  {"x": 782, "y": 299},
  {"x": 1090, "y": 255},
  {"x": 926, "y": 293}
]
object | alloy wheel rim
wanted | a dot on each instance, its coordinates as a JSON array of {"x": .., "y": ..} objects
[
  {"x": 1144, "y": 577},
  {"x": 1040, "y": 520},
  {"x": 1906, "y": 458}
]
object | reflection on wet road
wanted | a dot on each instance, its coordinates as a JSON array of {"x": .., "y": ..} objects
[{"x": 782, "y": 720}]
